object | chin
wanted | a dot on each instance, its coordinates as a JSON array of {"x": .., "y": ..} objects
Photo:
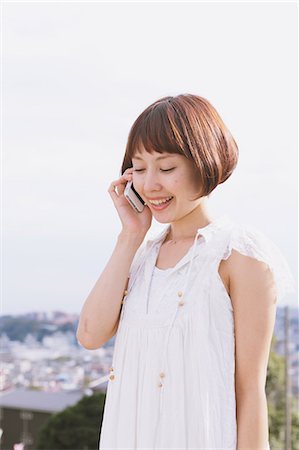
[
  {"x": 166, "y": 219},
  {"x": 162, "y": 221}
]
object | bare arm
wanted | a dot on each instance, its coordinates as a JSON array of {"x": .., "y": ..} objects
[
  {"x": 253, "y": 295},
  {"x": 252, "y": 419},
  {"x": 100, "y": 313}
]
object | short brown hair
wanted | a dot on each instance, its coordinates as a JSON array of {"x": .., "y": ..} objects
[{"x": 188, "y": 125}]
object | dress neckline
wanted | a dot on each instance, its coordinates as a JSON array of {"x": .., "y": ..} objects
[
  {"x": 206, "y": 233},
  {"x": 180, "y": 261},
  {"x": 162, "y": 271}
]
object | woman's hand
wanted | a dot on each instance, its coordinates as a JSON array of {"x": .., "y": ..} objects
[{"x": 132, "y": 221}]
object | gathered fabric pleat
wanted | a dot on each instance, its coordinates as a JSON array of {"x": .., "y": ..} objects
[{"x": 174, "y": 364}]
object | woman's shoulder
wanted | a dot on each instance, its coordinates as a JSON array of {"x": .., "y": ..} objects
[{"x": 246, "y": 240}]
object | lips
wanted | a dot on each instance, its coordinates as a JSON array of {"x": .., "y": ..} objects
[
  {"x": 163, "y": 205},
  {"x": 158, "y": 201}
]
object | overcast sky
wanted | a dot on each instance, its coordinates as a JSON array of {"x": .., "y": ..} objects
[{"x": 76, "y": 76}]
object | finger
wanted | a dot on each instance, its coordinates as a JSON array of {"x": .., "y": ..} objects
[
  {"x": 117, "y": 187},
  {"x": 129, "y": 170},
  {"x": 123, "y": 179},
  {"x": 113, "y": 193},
  {"x": 122, "y": 186}
]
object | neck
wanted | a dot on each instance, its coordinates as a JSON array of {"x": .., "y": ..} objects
[{"x": 186, "y": 227}]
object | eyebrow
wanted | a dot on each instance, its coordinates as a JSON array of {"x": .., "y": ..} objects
[{"x": 159, "y": 157}]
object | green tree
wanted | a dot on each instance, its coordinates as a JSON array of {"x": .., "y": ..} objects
[
  {"x": 275, "y": 391},
  {"x": 75, "y": 428}
]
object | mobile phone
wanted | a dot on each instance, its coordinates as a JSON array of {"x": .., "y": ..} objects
[{"x": 133, "y": 197}]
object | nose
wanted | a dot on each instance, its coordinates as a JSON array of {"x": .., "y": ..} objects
[{"x": 151, "y": 182}]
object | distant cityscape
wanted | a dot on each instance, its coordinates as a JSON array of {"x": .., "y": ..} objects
[
  {"x": 41, "y": 355},
  {"x": 49, "y": 358},
  {"x": 39, "y": 350}
]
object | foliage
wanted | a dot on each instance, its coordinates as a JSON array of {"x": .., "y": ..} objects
[
  {"x": 75, "y": 428},
  {"x": 275, "y": 391}
]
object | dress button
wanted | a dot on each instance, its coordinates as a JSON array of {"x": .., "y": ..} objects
[
  {"x": 181, "y": 303},
  {"x": 126, "y": 292},
  {"x": 180, "y": 293},
  {"x": 162, "y": 375},
  {"x": 160, "y": 384},
  {"x": 112, "y": 377}
]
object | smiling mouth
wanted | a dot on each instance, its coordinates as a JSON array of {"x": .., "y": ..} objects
[{"x": 161, "y": 204}]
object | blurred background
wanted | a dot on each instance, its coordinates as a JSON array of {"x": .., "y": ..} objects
[{"x": 75, "y": 76}]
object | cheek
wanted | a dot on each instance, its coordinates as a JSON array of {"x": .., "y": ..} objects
[
  {"x": 181, "y": 184},
  {"x": 138, "y": 185},
  {"x": 135, "y": 182},
  {"x": 174, "y": 186},
  {"x": 186, "y": 184},
  {"x": 178, "y": 180}
]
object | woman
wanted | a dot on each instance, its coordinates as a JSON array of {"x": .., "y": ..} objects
[{"x": 193, "y": 308}]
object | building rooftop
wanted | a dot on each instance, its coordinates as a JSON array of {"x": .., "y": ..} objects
[{"x": 39, "y": 400}]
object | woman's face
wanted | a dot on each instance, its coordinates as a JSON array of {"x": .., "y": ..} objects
[{"x": 159, "y": 176}]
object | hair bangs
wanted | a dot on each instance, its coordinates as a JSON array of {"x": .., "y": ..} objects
[{"x": 155, "y": 133}]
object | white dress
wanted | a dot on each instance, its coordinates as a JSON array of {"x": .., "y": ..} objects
[{"x": 172, "y": 383}]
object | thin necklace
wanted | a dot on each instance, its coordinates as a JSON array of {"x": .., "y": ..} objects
[{"x": 175, "y": 241}]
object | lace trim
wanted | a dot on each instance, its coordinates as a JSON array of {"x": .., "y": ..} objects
[{"x": 251, "y": 242}]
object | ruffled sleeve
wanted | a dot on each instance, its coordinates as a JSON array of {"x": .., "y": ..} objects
[{"x": 250, "y": 241}]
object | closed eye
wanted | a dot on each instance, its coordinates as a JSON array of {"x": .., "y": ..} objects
[{"x": 162, "y": 170}]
